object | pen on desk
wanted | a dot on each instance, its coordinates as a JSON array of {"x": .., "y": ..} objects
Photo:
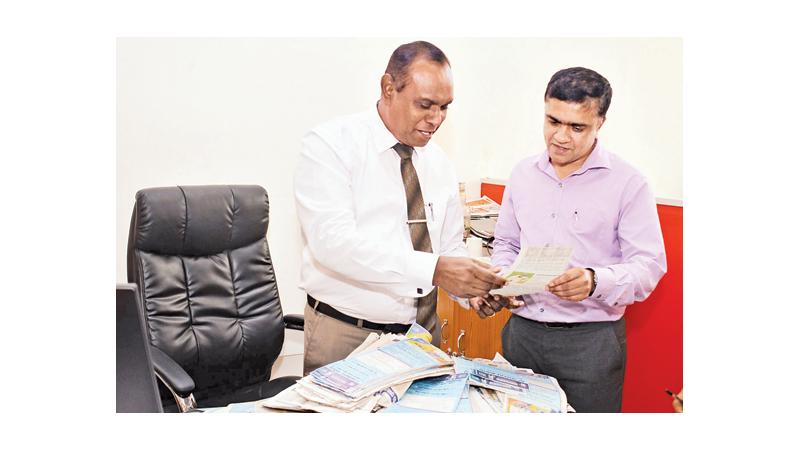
[{"x": 673, "y": 395}]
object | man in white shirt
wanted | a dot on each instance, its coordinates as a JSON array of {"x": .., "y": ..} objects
[{"x": 381, "y": 215}]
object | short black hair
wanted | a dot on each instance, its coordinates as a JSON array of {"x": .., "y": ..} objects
[
  {"x": 403, "y": 56},
  {"x": 576, "y": 84}
]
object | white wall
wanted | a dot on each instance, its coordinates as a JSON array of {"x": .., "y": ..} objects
[
  {"x": 497, "y": 116},
  {"x": 218, "y": 111}
]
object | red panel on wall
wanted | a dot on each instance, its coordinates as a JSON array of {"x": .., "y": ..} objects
[
  {"x": 493, "y": 191},
  {"x": 654, "y": 327},
  {"x": 655, "y": 330}
]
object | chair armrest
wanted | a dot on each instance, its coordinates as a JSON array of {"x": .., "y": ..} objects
[
  {"x": 294, "y": 321},
  {"x": 171, "y": 373}
]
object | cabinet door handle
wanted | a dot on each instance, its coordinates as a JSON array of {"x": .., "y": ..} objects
[
  {"x": 444, "y": 339},
  {"x": 459, "y": 350}
]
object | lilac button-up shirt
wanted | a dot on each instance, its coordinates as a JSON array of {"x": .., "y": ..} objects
[{"x": 605, "y": 211}]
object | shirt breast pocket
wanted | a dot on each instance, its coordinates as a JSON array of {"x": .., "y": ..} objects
[
  {"x": 435, "y": 212},
  {"x": 591, "y": 222}
]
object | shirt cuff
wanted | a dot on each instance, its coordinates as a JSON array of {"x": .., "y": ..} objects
[
  {"x": 461, "y": 301},
  {"x": 419, "y": 271},
  {"x": 605, "y": 283}
]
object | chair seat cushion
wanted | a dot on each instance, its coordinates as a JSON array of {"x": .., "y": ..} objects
[
  {"x": 248, "y": 393},
  {"x": 245, "y": 394}
]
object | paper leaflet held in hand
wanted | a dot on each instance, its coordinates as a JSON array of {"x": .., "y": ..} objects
[{"x": 533, "y": 269}]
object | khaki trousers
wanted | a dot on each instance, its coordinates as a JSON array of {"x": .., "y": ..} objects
[{"x": 327, "y": 340}]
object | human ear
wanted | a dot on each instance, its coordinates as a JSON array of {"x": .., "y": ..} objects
[{"x": 387, "y": 86}]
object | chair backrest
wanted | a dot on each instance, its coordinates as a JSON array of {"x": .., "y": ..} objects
[
  {"x": 200, "y": 259},
  {"x": 136, "y": 381}
]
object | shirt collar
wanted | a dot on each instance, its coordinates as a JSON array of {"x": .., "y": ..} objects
[
  {"x": 384, "y": 139},
  {"x": 597, "y": 159}
]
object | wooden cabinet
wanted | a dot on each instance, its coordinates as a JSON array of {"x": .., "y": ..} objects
[{"x": 463, "y": 332}]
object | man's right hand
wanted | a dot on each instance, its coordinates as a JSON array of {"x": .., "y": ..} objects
[{"x": 466, "y": 277}]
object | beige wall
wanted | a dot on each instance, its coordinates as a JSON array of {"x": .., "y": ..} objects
[{"x": 213, "y": 111}]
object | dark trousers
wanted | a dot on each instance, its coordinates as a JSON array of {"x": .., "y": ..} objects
[{"x": 588, "y": 360}]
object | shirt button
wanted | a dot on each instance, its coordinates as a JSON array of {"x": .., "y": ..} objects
[
  {"x": 561, "y": 185},
  {"x": 541, "y": 309},
  {"x": 599, "y": 295},
  {"x": 553, "y": 215}
]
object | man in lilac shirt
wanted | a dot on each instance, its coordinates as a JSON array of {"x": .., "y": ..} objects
[{"x": 579, "y": 195}]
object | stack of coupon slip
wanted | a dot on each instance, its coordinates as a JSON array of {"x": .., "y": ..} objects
[
  {"x": 481, "y": 385},
  {"x": 497, "y": 386},
  {"x": 375, "y": 375}
]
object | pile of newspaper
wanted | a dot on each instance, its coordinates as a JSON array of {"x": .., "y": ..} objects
[
  {"x": 375, "y": 375},
  {"x": 394, "y": 373}
]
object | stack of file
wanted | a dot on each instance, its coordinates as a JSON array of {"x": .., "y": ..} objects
[
  {"x": 482, "y": 208},
  {"x": 483, "y": 217},
  {"x": 375, "y": 375}
]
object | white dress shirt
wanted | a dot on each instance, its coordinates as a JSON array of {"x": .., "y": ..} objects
[{"x": 351, "y": 203}]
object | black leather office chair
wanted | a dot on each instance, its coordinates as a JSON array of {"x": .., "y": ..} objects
[
  {"x": 200, "y": 259},
  {"x": 136, "y": 382}
]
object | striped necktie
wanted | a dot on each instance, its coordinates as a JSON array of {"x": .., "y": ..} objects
[{"x": 420, "y": 238}]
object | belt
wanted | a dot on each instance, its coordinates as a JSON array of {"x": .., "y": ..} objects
[
  {"x": 332, "y": 312},
  {"x": 558, "y": 324}
]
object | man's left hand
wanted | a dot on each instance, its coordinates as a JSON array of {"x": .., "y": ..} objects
[
  {"x": 488, "y": 305},
  {"x": 482, "y": 307},
  {"x": 573, "y": 285}
]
